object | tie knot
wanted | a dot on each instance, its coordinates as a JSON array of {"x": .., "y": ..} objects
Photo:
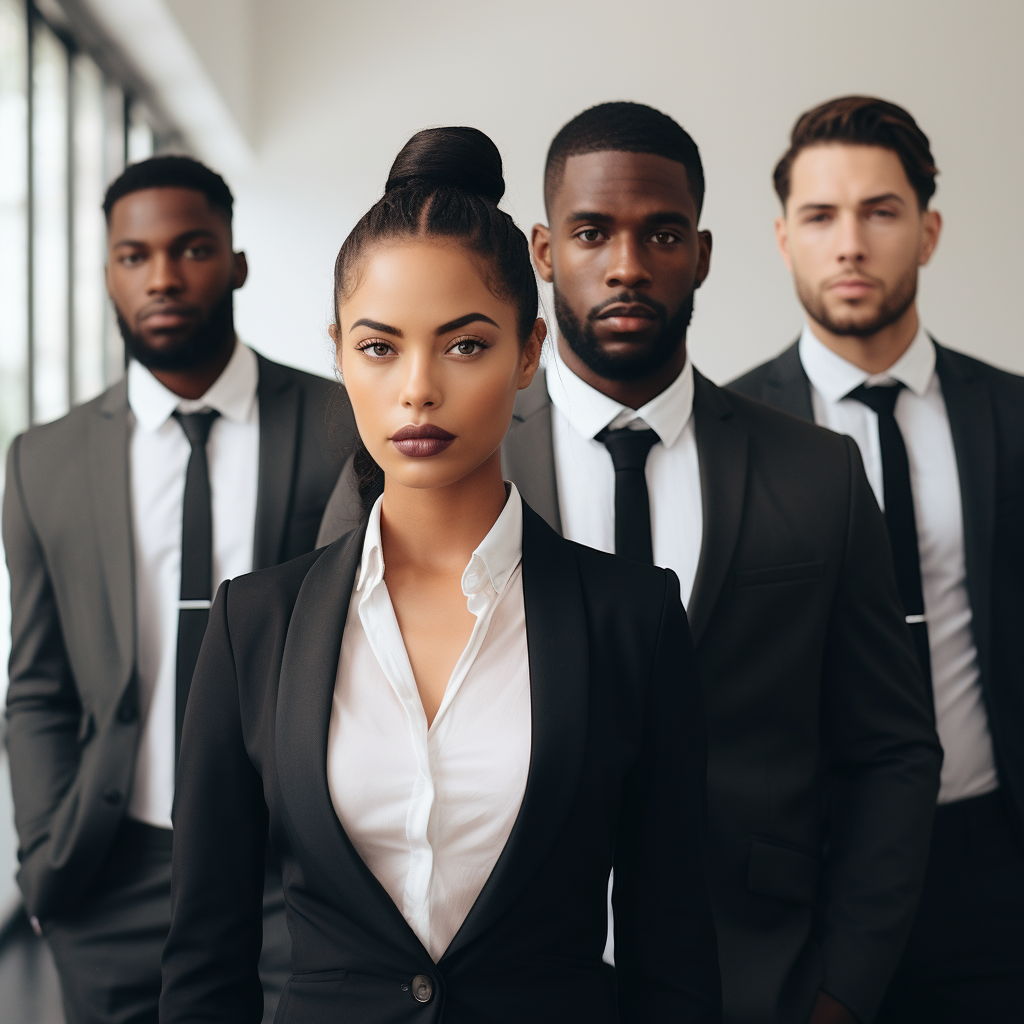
[
  {"x": 881, "y": 398},
  {"x": 628, "y": 448},
  {"x": 196, "y": 425}
]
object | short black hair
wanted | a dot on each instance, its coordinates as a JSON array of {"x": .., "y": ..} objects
[
  {"x": 625, "y": 128},
  {"x": 170, "y": 172},
  {"x": 862, "y": 121}
]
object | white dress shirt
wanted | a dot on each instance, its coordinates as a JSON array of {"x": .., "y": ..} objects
[
  {"x": 158, "y": 457},
  {"x": 585, "y": 476},
  {"x": 968, "y": 767},
  {"x": 429, "y": 809}
]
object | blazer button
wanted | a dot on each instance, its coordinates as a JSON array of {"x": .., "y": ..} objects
[
  {"x": 422, "y": 989},
  {"x": 112, "y": 796}
]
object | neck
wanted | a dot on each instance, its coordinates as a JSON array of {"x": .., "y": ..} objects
[
  {"x": 877, "y": 352},
  {"x": 195, "y": 381},
  {"x": 634, "y": 394},
  {"x": 437, "y": 529}
]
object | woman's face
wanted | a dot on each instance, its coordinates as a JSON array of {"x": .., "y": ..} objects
[{"x": 431, "y": 361}]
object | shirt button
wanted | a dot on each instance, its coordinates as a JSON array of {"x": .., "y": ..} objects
[
  {"x": 422, "y": 989},
  {"x": 472, "y": 580}
]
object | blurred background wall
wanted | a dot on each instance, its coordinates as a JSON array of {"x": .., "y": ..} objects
[{"x": 303, "y": 104}]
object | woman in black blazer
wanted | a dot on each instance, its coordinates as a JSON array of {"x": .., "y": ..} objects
[{"x": 490, "y": 905}]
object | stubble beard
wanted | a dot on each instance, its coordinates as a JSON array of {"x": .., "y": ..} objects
[
  {"x": 893, "y": 305},
  {"x": 203, "y": 345},
  {"x": 628, "y": 366}
]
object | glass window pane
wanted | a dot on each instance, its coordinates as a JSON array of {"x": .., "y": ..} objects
[
  {"x": 13, "y": 223},
  {"x": 113, "y": 103},
  {"x": 89, "y": 292},
  {"x": 50, "y": 224}
]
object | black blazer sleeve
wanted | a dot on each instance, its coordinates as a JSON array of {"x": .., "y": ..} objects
[
  {"x": 665, "y": 949},
  {"x": 43, "y": 710},
  {"x": 220, "y": 827},
  {"x": 884, "y": 760}
]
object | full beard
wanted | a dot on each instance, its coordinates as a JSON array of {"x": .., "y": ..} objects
[
  {"x": 625, "y": 366},
  {"x": 891, "y": 308},
  {"x": 204, "y": 344}
]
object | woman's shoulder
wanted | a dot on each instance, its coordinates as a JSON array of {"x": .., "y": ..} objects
[{"x": 254, "y": 596}]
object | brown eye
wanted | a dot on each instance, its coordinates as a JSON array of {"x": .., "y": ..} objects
[{"x": 590, "y": 235}]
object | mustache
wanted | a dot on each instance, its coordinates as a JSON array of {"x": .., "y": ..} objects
[{"x": 627, "y": 298}]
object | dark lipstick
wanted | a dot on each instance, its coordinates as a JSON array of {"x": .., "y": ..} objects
[{"x": 421, "y": 440}]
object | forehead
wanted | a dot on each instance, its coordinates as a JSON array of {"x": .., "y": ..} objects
[
  {"x": 421, "y": 281},
  {"x": 165, "y": 212},
  {"x": 623, "y": 185},
  {"x": 837, "y": 172}
]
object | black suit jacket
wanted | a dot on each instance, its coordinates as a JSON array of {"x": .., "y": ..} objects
[
  {"x": 616, "y": 775},
  {"x": 811, "y": 689},
  {"x": 73, "y": 700},
  {"x": 985, "y": 406}
]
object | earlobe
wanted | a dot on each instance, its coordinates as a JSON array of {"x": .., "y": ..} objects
[
  {"x": 930, "y": 236},
  {"x": 241, "y": 270},
  {"x": 531, "y": 353},
  {"x": 540, "y": 247},
  {"x": 782, "y": 241}
]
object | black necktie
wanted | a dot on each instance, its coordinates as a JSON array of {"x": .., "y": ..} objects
[
  {"x": 899, "y": 512},
  {"x": 628, "y": 449},
  {"x": 196, "y": 559}
]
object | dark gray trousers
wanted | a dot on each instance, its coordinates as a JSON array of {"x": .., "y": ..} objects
[{"x": 107, "y": 951}]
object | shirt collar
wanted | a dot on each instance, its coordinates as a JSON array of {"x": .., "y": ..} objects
[
  {"x": 232, "y": 394},
  {"x": 834, "y": 377},
  {"x": 589, "y": 411},
  {"x": 492, "y": 563}
]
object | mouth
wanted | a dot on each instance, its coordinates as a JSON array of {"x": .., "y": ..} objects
[
  {"x": 628, "y": 318},
  {"x": 169, "y": 318},
  {"x": 852, "y": 287},
  {"x": 421, "y": 440}
]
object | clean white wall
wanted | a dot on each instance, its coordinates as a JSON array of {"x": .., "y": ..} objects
[{"x": 340, "y": 87}]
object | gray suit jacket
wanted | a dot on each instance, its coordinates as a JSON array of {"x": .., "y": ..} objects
[
  {"x": 73, "y": 701},
  {"x": 823, "y": 760},
  {"x": 986, "y": 417}
]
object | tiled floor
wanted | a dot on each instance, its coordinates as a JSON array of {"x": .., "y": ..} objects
[{"x": 29, "y": 990}]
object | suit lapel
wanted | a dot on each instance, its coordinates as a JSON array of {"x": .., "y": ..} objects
[
  {"x": 972, "y": 424},
  {"x": 309, "y": 669},
  {"x": 528, "y": 455},
  {"x": 280, "y": 411},
  {"x": 787, "y": 386},
  {"x": 558, "y": 643},
  {"x": 722, "y": 455},
  {"x": 112, "y": 514}
]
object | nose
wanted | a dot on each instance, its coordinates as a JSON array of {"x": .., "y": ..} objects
[
  {"x": 626, "y": 267},
  {"x": 164, "y": 276},
  {"x": 851, "y": 245},
  {"x": 420, "y": 387}
]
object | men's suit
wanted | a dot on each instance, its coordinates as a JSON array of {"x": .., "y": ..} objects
[
  {"x": 823, "y": 761},
  {"x": 617, "y": 762},
  {"x": 73, "y": 702},
  {"x": 970, "y": 918}
]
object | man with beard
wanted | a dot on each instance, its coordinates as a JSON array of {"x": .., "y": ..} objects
[
  {"x": 119, "y": 522},
  {"x": 811, "y": 686},
  {"x": 942, "y": 436}
]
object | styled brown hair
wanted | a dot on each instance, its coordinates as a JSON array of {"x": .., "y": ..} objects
[{"x": 863, "y": 121}]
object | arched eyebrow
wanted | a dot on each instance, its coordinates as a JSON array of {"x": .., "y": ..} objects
[
  {"x": 454, "y": 325},
  {"x": 376, "y": 325}
]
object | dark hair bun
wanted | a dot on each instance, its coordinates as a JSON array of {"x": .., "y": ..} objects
[{"x": 461, "y": 158}]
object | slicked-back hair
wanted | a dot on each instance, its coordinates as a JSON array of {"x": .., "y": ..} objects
[
  {"x": 625, "y": 128},
  {"x": 862, "y": 121},
  {"x": 170, "y": 172}
]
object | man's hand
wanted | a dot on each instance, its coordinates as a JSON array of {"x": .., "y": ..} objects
[{"x": 829, "y": 1011}]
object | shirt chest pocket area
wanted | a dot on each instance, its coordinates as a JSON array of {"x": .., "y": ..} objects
[{"x": 777, "y": 575}]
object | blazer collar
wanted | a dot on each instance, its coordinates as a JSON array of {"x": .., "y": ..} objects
[
  {"x": 786, "y": 384},
  {"x": 722, "y": 448},
  {"x": 109, "y": 431},
  {"x": 309, "y": 668},
  {"x": 972, "y": 423},
  {"x": 280, "y": 401},
  {"x": 558, "y": 643},
  {"x": 557, "y": 640},
  {"x": 528, "y": 453}
]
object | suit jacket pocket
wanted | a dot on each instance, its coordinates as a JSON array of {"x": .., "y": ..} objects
[
  {"x": 794, "y": 573},
  {"x": 319, "y": 976},
  {"x": 784, "y": 872}
]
